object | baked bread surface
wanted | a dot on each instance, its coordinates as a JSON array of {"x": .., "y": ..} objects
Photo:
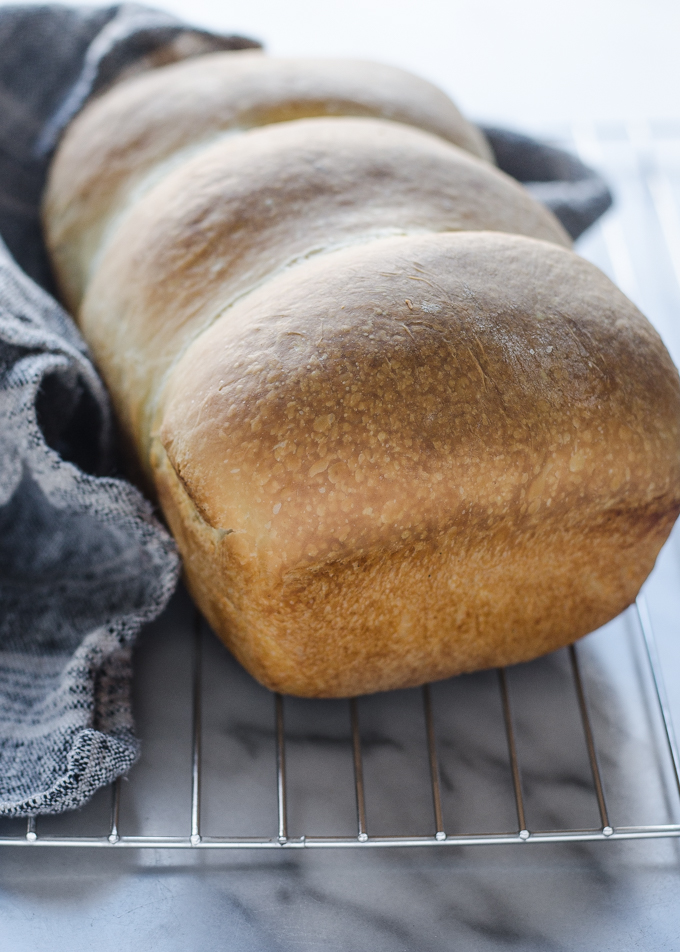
[
  {"x": 419, "y": 457},
  {"x": 399, "y": 430},
  {"x": 265, "y": 201},
  {"x": 125, "y": 141}
]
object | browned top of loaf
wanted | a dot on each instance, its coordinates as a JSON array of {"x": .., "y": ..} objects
[
  {"x": 138, "y": 128},
  {"x": 378, "y": 397},
  {"x": 267, "y": 199}
]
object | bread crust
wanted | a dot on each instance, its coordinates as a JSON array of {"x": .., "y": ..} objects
[
  {"x": 250, "y": 206},
  {"x": 398, "y": 429},
  {"x": 126, "y": 140},
  {"x": 419, "y": 457}
]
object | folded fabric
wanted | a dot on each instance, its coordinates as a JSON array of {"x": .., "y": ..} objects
[{"x": 83, "y": 562}]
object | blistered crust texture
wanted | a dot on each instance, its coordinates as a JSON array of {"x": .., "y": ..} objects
[
  {"x": 129, "y": 137},
  {"x": 419, "y": 457},
  {"x": 262, "y": 201},
  {"x": 397, "y": 428}
]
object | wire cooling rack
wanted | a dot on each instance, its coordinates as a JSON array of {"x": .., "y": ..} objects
[
  {"x": 643, "y": 164},
  {"x": 114, "y": 837}
]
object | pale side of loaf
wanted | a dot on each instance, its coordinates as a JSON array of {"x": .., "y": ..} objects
[
  {"x": 398, "y": 429},
  {"x": 123, "y": 143}
]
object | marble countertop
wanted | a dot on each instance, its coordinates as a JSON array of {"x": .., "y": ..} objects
[{"x": 594, "y": 898}]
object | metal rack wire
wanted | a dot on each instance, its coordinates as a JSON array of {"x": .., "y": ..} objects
[
  {"x": 195, "y": 839},
  {"x": 666, "y": 210}
]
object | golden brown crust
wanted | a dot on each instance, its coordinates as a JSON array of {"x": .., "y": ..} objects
[
  {"x": 389, "y": 452},
  {"x": 136, "y": 128},
  {"x": 418, "y": 457},
  {"x": 360, "y": 626},
  {"x": 249, "y": 206}
]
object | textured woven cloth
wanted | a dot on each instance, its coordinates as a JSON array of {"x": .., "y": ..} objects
[{"x": 83, "y": 562}]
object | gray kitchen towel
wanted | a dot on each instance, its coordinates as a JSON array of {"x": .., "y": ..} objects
[{"x": 83, "y": 562}]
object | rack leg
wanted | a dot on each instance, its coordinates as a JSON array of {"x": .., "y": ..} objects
[
  {"x": 196, "y": 743},
  {"x": 362, "y": 833},
  {"x": 440, "y": 833},
  {"x": 281, "y": 770},
  {"x": 512, "y": 751}
]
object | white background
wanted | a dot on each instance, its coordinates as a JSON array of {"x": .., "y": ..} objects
[{"x": 526, "y": 62}]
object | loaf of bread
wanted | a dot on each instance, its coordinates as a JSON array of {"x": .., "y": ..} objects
[{"x": 398, "y": 428}]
